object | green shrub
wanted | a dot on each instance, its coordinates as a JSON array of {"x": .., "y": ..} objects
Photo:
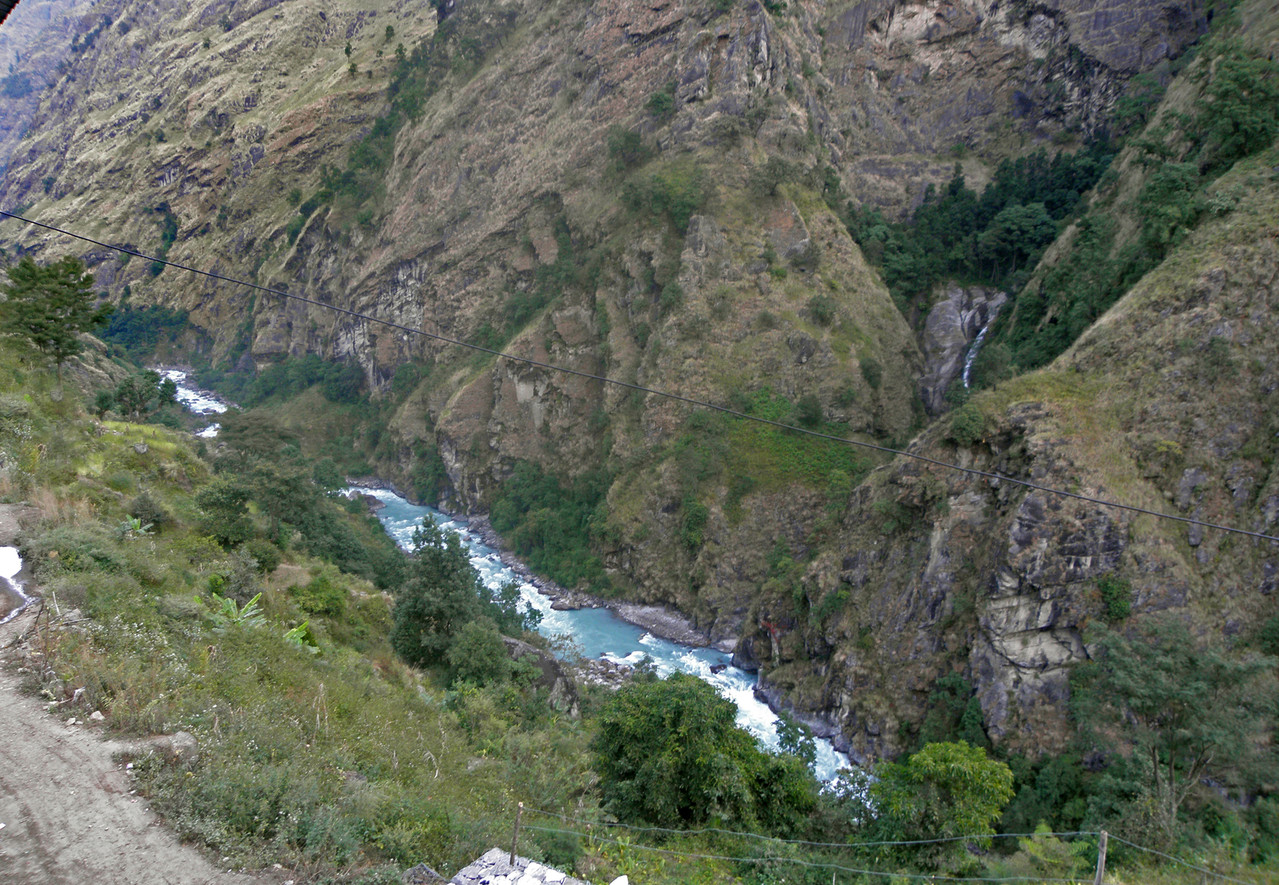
[
  {"x": 1168, "y": 205},
  {"x": 872, "y": 371},
  {"x": 822, "y": 309},
  {"x": 661, "y": 104},
  {"x": 224, "y": 511},
  {"x": 627, "y": 149},
  {"x": 669, "y": 753},
  {"x": 808, "y": 411},
  {"x": 1241, "y": 115},
  {"x": 967, "y": 425},
  {"x": 477, "y": 654},
  {"x": 693, "y": 524},
  {"x": 1116, "y": 597},
  {"x": 148, "y": 511},
  {"x": 946, "y": 789},
  {"x": 322, "y": 595}
]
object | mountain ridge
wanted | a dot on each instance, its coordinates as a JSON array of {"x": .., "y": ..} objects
[{"x": 652, "y": 192}]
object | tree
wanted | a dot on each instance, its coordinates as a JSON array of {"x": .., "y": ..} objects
[
  {"x": 225, "y": 512},
  {"x": 51, "y": 305},
  {"x": 139, "y": 394},
  {"x": 944, "y": 790},
  {"x": 1188, "y": 710},
  {"x": 796, "y": 739},
  {"x": 103, "y": 402},
  {"x": 478, "y": 654},
  {"x": 442, "y": 595},
  {"x": 1015, "y": 234},
  {"x": 669, "y": 753}
]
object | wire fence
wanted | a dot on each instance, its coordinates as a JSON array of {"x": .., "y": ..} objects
[{"x": 1097, "y": 840}]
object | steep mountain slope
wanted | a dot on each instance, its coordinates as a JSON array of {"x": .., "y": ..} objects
[
  {"x": 651, "y": 192},
  {"x": 1167, "y": 402},
  {"x": 35, "y": 41}
]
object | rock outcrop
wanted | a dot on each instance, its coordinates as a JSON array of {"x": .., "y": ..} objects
[
  {"x": 649, "y": 192},
  {"x": 953, "y": 324},
  {"x": 561, "y": 691},
  {"x": 937, "y": 573}
]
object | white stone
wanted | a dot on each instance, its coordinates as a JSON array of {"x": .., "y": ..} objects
[
  {"x": 97, "y": 716},
  {"x": 620, "y": 880}
]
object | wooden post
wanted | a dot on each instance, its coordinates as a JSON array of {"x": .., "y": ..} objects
[
  {"x": 515, "y": 837},
  {"x": 1101, "y": 860}
]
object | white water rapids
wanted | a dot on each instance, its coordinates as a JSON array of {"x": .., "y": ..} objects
[{"x": 598, "y": 632}]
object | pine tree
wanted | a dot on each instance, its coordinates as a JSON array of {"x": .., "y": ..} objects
[{"x": 51, "y": 306}]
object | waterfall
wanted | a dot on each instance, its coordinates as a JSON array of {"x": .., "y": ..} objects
[{"x": 972, "y": 350}]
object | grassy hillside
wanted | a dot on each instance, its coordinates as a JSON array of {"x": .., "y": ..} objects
[{"x": 319, "y": 748}]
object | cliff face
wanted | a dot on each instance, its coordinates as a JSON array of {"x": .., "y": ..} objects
[
  {"x": 1168, "y": 403},
  {"x": 642, "y": 191},
  {"x": 35, "y": 42}
]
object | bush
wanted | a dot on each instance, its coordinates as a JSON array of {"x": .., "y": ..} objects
[
  {"x": 808, "y": 411},
  {"x": 946, "y": 789},
  {"x": 626, "y": 148},
  {"x": 1242, "y": 112},
  {"x": 478, "y": 655},
  {"x": 661, "y": 104},
  {"x": 148, "y": 511},
  {"x": 323, "y": 595},
  {"x": 266, "y": 554},
  {"x": 693, "y": 524},
  {"x": 822, "y": 309},
  {"x": 967, "y": 425},
  {"x": 224, "y": 511},
  {"x": 1116, "y": 596},
  {"x": 873, "y": 372},
  {"x": 669, "y": 753}
]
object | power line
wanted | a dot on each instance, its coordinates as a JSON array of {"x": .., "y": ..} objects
[{"x": 972, "y": 471}]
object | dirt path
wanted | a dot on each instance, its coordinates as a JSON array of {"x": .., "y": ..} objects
[{"x": 66, "y": 813}]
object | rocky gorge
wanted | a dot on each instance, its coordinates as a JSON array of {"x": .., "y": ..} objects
[{"x": 656, "y": 193}]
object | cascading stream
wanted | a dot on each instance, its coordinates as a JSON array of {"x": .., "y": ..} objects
[
  {"x": 596, "y": 632},
  {"x": 10, "y": 566},
  {"x": 599, "y": 632},
  {"x": 974, "y": 348}
]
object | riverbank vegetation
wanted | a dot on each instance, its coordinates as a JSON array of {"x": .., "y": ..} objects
[{"x": 354, "y": 718}]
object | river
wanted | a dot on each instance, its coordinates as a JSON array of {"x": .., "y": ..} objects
[
  {"x": 597, "y": 632},
  {"x": 196, "y": 401}
]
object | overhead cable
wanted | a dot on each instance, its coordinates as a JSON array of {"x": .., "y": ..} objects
[{"x": 746, "y": 416}]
